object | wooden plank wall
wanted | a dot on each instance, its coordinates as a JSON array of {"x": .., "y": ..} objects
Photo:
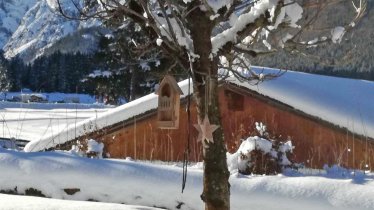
[
  {"x": 316, "y": 142},
  {"x": 143, "y": 140}
]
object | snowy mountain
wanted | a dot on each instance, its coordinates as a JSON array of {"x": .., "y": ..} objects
[
  {"x": 43, "y": 31},
  {"x": 11, "y": 14}
]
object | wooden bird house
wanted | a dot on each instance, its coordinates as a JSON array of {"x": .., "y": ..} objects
[{"x": 168, "y": 103}]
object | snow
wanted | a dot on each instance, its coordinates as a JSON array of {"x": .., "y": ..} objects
[
  {"x": 94, "y": 146},
  {"x": 146, "y": 184},
  {"x": 181, "y": 35},
  {"x": 267, "y": 44},
  {"x": 11, "y": 13},
  {"x": 290, "y": 14},
  {"x": 255, "y": 142},
  {"x": 100, "y": 73},
  {"x": 241, "y": 159},
  {"x": 337, "y": 34},
  {"x": 118, "y": 181},
  {"x": 159, "y": 42},
  {"x": 52, "y": 97},
  {"x": 235, "y": 161},
  {"x": 347, "y": 103},
  {"x": 284, "y": 39},
  {"x": 286, "y": 147},
  {"x": 294, "y": 12},
  {"x": 10, "y": 23},
  {"x": 53, "y": 4},
  {"x": 17, "y": 202},
  {"x": 261, "y": 128},
  {"x": 230, "y": 35},
  {"x": 115, "y": 115},
  {"x": 41, "y": 27},
  {"x": 33, "y": 121}
]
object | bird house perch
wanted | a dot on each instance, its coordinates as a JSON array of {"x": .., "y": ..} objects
[{"x": 168, "y": 103}]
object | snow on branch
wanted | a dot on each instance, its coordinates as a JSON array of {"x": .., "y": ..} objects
[
  {"x": 334, "y": 34},
  {"x": 231, "y": 34},
  {"x": 171, "y": 28}
]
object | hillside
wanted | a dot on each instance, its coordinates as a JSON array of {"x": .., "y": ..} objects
[{"x": 353, "y": 54}]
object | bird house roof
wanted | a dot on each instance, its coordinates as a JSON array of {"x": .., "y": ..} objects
[{"x": 168, "y": 79}]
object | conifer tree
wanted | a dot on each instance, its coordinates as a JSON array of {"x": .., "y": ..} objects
[{"x": 4, "y": 80}]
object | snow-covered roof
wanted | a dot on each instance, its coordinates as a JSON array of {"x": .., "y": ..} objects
[
  {"x": 115, "y": 115},
  {"x": 348, "y": 103}
]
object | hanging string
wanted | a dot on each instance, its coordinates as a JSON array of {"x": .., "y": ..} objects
[
  {"x": 187, "y": 150},
  {"x": 208, "y": 92},
  {"x": 206, "y": 101}
]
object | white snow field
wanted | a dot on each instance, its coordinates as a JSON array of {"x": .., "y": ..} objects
[
  {"x": 146, "y": 184},
  {"x": 34, "y": 121},
  {"x": 17, "y": 202},
  {"x": 347, "y": 103}
]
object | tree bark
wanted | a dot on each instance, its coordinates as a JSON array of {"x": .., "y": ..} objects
[{"x": 216, "y": 192}]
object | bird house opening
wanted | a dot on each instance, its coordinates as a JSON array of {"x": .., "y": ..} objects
[
  {"x": 166, "y": 90},
  {"x": 165, "y": 104}
]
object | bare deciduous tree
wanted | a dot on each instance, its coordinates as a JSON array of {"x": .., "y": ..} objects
[{"x": 217, "y": 38}]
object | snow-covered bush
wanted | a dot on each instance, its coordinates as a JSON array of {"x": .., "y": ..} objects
[
  {"x": 88, "y": 148},
  {"x": 261, "y": 155},
  {"x": 94, "y": 147},
  {"x": 75, "y": 149}
]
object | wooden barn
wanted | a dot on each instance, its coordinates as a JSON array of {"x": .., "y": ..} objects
[{"x": 320, "y": 121}]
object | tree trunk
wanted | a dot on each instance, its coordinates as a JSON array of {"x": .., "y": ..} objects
[{"x": 216, "y": 192}]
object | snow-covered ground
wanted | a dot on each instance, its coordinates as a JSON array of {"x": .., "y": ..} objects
[
  {"x": 17, "y": 202},
  {"x": 34, "y": 121},
  {"x": 51, "y": 97},
  {"x": 147, "y": 184}
]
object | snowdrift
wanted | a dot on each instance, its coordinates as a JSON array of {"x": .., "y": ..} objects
[{"x": 136, "y": 183}]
